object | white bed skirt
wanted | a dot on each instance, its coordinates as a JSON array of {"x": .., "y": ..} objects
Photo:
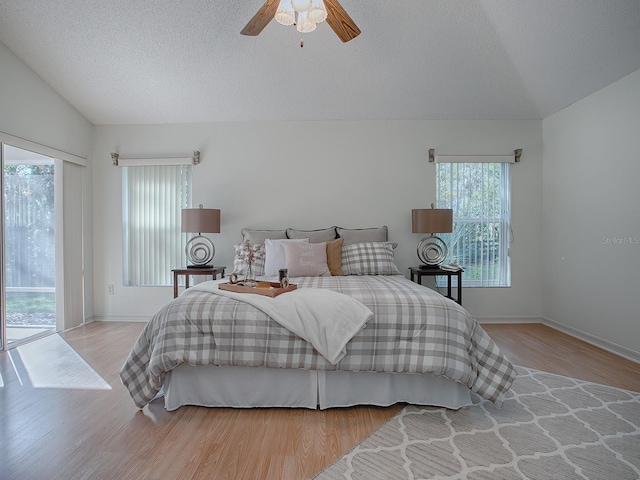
[{"x": 249, "y": 387}]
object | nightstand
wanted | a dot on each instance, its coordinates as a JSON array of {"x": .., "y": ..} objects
[
  {"x": 418, "y": 272},
  {"x": 187, "y": 272}
]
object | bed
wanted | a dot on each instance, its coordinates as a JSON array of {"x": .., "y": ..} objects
[{"x": 217, "y": 349}]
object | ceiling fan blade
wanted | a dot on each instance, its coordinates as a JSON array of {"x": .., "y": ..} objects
[
  {"x": 340, "y": 21},
  {"x": 261, "y": 19}
]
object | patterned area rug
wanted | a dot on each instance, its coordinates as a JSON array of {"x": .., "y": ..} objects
[{"x": 549, "y": 427}]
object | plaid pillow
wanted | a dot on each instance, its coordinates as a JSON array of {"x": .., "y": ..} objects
[
  {"x": 240, "y": 265},
  {"x": 369, "y": 258}
]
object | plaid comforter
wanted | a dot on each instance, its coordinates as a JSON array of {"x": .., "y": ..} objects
[{"x": 414, "y": 330}]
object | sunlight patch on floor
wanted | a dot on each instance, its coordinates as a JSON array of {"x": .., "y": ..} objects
[
  {"x": 15, "y": 334},
  {"x": 51, "y": 363}
]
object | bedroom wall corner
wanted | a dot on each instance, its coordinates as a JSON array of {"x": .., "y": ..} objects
[
  {"x": 32, "y": 110},
  {"x": 591, "y": 215}
]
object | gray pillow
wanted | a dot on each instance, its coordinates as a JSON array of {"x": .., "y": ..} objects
[
  {"x": 259, "y": 236},
  {"x": 369, "y": 258},
  {"x": 363, "y": 235},
  {"x": 314, "y": 236}
]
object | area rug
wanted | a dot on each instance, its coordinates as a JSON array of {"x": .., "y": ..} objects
[{"x": 549, "y": 428}]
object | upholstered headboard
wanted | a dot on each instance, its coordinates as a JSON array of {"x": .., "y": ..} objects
[
  {"x": 347, "y": 251},
  {"x": 350, "y": 235}
]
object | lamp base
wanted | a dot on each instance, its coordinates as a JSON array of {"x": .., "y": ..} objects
[
  {"x": 432, "y": 250},
  {"x": 199, "y": 252},
  {"x": 429, "y": 267}
]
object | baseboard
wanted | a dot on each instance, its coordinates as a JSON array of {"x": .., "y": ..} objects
[
  {"x": 586, "y": 337},
  {"x": 87, "y": 321},
  {"x": 490, "y": 320},
  {"x": 487, "y": 320},
  {"x": 593, "y": 340},
  {"x": 118, "y": 318}
]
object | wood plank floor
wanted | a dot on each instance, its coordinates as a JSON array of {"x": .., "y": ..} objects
[{"x": 59, "y": 420}]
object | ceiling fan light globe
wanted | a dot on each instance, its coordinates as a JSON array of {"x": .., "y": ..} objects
[
  {"x": 285, "y": 19},
  {"x": 317, "y": 13},
  {"x": 304, "y": 25},
  {"x": 285, "y": 14},
  {"x": 301, "y": 6}
]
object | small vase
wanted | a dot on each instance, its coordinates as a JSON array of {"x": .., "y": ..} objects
[{"x": 249, "y": 277}]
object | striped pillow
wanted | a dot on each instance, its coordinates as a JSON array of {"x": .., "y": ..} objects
[{"x": 369, "y": 258}]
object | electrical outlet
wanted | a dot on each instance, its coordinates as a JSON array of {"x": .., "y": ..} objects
[{"x": 110, "y": 290}]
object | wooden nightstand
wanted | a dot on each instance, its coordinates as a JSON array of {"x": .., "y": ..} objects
[
  {"x": 418, "y": 272},
  {"x": 187, "y": 272}
]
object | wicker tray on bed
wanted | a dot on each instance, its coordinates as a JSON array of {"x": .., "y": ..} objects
[{"x": 273, "y": 291}]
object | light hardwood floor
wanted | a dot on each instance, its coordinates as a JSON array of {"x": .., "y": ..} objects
[{"x": 52, "y": 426}]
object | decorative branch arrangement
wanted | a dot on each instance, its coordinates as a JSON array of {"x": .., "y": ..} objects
[{"x": 249, "y": 253}]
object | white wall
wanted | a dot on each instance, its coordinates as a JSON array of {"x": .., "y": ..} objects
[
  {"x": 31, "y": 110},
  {"x": 591, "y": 217},
  {"x": 314, "y": 175}
]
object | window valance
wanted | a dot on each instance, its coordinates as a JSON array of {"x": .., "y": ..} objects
[
  {"x": 155, "y": 161},
  {"x": 510, "y": 158}
]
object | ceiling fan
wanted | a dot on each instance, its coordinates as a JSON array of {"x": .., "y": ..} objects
[{"x": 339, "y": 21}]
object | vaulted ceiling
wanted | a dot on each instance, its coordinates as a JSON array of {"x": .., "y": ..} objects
[{"x": 168, "y": 61}]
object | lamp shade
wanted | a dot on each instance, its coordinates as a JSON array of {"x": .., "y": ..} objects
[
  {"x": 201, "y": 220},
  {"x": 432, "y": 220}
]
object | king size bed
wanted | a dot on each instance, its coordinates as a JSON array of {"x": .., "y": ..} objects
[{"x": 369, "y": 336}]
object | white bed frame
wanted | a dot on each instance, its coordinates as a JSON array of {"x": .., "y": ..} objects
[{"x": 249, "y": 387}]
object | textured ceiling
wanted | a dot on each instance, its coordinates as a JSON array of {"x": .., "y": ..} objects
[{"x": 168, "y": 61}]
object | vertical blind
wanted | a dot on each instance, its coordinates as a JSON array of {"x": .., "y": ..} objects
[
  {"x": 73, "y": 244},
  {"x": 479, "y": 194},
  {"x": 153, "y": 199}
]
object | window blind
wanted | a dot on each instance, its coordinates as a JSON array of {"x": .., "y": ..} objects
[
  {"x": 73, "y": 244},
  {"x": 479, "y": 194},
  {"x": 153, "y": 199}
]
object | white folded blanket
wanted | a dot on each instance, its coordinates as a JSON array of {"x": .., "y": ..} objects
[{"x": 326, "y": 319}]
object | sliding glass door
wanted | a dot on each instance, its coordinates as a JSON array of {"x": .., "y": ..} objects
[{"x": 29, "y": 270}]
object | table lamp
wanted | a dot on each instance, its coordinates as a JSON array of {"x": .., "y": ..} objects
[
  {"x": 200, "y": 249},
  {"x": 432, "y": 250}
]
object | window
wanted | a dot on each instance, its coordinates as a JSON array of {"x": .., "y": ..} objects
[
  {"x": 152, "y": 203},
  {"x": 479, "y": 194}
]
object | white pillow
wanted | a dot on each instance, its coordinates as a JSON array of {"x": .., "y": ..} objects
[
  {"x": 274, "y": 255},
  {"x": 306, "y": 259}
]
